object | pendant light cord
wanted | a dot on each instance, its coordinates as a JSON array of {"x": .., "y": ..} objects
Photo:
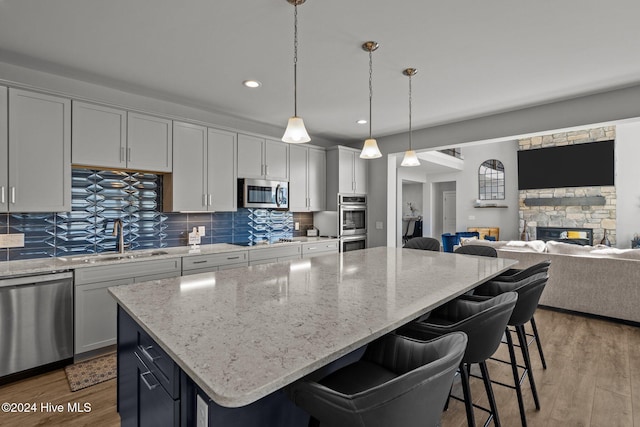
[
  {"x": 295, "y": 60},
  {"x": 370, "y": 89},
  {"x": 410, "y": 113}
]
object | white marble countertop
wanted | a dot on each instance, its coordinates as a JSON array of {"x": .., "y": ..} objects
[
  {"x": 242, "y": 334},
  {"x": 47, "y": 265}
]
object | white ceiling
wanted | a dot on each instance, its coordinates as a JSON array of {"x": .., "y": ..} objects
[{"x": 473, "y": 58}]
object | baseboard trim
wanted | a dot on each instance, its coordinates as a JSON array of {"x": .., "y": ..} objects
[{"x": 592, "y": 316}]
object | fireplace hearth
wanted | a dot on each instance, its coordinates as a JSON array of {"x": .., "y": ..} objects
[{"x": 577, "y": 236}]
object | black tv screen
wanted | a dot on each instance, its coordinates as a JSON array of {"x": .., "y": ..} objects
[{"x": 578, "y": 165}]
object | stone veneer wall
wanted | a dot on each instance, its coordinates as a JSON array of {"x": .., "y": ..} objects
[{"x": 598, "y": 218}]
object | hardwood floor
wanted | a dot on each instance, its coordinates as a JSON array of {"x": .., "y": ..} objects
[{"x": 593, "y": 379}]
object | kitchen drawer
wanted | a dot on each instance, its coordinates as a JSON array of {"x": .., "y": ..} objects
[
  {"x": 124, "y": 270},
  {"x": 163, "y": 368},
  {"x": 277, "y": 252},
  {"x": 319, "y": 248},
  {"x": 208, "y": 262}
]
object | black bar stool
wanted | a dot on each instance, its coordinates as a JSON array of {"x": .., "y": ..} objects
[
  {"x": 484, "y": 322},
  {"x": 424, "y": 243},
  {"x": 399, "y": 381},
  {"x": 477, "y": 250}
]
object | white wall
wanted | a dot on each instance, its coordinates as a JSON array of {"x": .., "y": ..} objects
[
  {"x": 627, "y": 183},
  {"x": 436, "y": 212}
]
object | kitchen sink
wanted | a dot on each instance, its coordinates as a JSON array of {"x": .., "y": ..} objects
[{"x": 97, "y": 258}]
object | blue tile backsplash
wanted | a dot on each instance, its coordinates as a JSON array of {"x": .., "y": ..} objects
[{"x": 100, "y": 197}]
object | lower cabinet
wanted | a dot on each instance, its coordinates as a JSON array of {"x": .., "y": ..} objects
[
  {"x": 95, "y": 309},
  {"x": 310, "y": 250},
  {"x": 274, "y": 254},
  {"x": 149, "y": 381},
  {"x": 214, "y": 262}
]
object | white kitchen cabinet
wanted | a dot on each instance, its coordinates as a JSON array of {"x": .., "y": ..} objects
[
  {"x": 149, "y": 143},
  {"x": 323, "y": 247},
  {"x": 4, "y": 148},
  {"x": 204, "y": 177},
  {"x": 213, "y": 262},
  {"x": 98, "y": 136},
  {"x": 346, "y": 174},
  {"x": 262, "y": 158},
  {"x": 37, "y": 175},
  {"x": 95, "y": 309},
  {"x": 307, "y": 179},
  {"x": 275, "y": 253}
]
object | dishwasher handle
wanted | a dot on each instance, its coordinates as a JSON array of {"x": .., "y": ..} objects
[{"x": 35, "y": 279}]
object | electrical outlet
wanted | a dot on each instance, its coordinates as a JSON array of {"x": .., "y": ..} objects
[
  {"x": 379, "y": 225},
  {"x": 472, "y": 217},
  {"x": 201, "y": 230},
  {"x": 202, "y": 412},
  {"x": 296, "y": 226},
  {"x": 13, "y": 240}
]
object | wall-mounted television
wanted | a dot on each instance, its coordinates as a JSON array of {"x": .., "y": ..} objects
[{"x": 578, "y": 165}]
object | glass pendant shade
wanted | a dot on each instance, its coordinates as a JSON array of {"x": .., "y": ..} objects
[
  {"x": 370, "y": 150},
  {"x": 296, "y": 133},
  {"x": 410, "y": 159}
]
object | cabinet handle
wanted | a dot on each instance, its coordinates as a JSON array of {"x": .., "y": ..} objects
[
  {"x": 122, "y": 154},
  {"x": 266, "y": 169},
  {"x": 204, "y": 200},
  {"x": 200, "y": 262},
  {"x": 2, "y": 195},
  {"x": 233, "y": 257},
  {"x": 313, "y": 248},
  {"x": 210, "y": 199},
  {"x": 13, "y": 195},
  {"x": 128, "y": 154},
  {"x": 150, "y": 386},
  {"x": 147, "y": 354}
]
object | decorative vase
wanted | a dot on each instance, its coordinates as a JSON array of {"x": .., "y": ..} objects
[
  {"x": 605, "y": 239},
  {"x": 524, "y": 236}
]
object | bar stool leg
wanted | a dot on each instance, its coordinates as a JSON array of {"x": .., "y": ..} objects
[
  {"x": 522, "y": 338},
  {"x": 490, "y": 395},
  {"x": 516, "y": 377},
  {"x": 538, "y": 343},
  {"x": 466, "y": 390}
]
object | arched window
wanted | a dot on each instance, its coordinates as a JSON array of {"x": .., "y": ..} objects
[{"x": 491, "y": 180}]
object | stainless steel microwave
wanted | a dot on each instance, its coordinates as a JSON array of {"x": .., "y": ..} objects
[{"x": 260, "y": 193}]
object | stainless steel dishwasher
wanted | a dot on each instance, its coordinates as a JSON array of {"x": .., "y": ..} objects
[{"x": 36, "y": 321}]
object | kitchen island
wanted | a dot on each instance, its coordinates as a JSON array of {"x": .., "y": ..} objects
[{"x": 239, "y": 336}]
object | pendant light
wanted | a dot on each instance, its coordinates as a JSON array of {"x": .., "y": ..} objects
[
  {"x": 410, "y": 158},
  {"x": 295, "y": 133},
  {"x": 370, "y": 149}
]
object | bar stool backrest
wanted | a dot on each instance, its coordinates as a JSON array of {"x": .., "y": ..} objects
[{"x": 424, "y": 243}]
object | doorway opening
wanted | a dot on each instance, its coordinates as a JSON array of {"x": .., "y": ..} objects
[{"x": 443, "y": 211}]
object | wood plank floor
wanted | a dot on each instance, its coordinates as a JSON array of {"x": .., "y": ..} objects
[{"x": 593, "y": 379}]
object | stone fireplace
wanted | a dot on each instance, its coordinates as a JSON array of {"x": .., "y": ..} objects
[{"x": 591, "y": 208}]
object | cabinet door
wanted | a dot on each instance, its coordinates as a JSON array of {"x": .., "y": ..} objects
[
  {"x": 98, "y": 136},
  {"x": 39, "y": 152},
  {"x": 345, "y": 171},
  {"x": 298, "y": 198},
  {"x": 149, "y": 143},
  {"x": 95, "y": 315},
  {"x": 189, "y": 178},
  {"x": 222, "y": 177},
  {"x": 4, "y": 150},
  {"x": 250, "y": 163},
  {"x": 276, "y": 160},
  {"x": 359, "y": 174},
  {"x": 316, "y": 179},
  {"x": 155, "y": 406}
]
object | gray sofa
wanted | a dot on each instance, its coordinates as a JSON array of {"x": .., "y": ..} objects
[{"x": 594, "y": 280}]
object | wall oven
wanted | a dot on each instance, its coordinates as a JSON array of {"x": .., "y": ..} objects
[
  {"x": 260, "y": 193},
  {"x": 353, "y": 243},
  {"x": 352, "y": 215}
]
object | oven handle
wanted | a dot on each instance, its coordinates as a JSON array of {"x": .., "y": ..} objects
[
  {"x": 278, "y": 196},
  {"x": 353, "y": 238}
]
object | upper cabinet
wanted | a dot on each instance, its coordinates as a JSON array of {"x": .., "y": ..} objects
[
  {"x": 204, "y": 176},
  {"x": 262, "y": 158},
  {"x": 346, "y": 174},
  {"x": 307, "y": 175},
  {"x": 36, "y": 173},
  {"x": 149, "y": 143},
  {"x": 107, "y": 137}
]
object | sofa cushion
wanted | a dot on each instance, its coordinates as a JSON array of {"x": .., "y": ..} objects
[
  {"x": 633, "y": 254},
  {"x": 520, "y": 246},
  {"x": 571, "y": 249}
]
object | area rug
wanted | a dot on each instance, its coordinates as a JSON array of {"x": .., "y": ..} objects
[{"x": 91, "y": 372}]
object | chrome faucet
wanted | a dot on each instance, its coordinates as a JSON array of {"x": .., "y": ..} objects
[{"x": 118, "y": 230}]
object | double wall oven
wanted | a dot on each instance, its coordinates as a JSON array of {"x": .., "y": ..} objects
[{"x": 352, "y": 221}]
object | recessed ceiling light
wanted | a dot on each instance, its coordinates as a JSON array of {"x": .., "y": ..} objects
[
  {"x": 362, "y": 122},
  {"x": 252, "y": 83}
]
